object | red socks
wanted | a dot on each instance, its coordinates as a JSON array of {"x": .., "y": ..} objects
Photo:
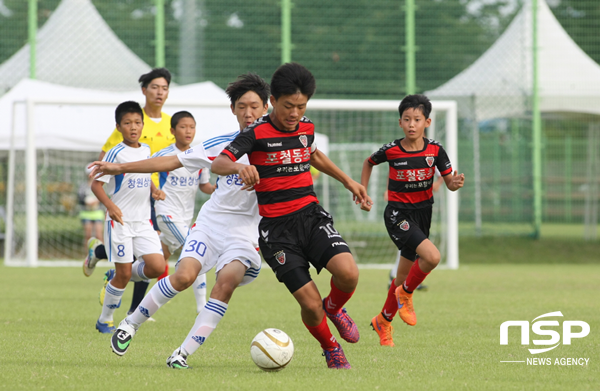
[
  {"x": 323, "y": 334},
  {"x": 165, "y": 274},
  {"x": 336, "y": 299},
  {"x": 391, "y": 305},
  {"x": 415, "y": 277}
]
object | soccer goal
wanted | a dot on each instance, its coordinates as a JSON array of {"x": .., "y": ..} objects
[{"x": 40, "y": 208}]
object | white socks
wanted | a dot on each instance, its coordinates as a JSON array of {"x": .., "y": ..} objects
[
  {"x": 199, "y": 287},
  {"x": 206, "y": 322},
  {"x": 112, "y": 301},
  {"x": 158, "y": 296}
]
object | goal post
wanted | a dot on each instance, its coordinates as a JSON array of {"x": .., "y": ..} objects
[{"x": 40, "y": 222}]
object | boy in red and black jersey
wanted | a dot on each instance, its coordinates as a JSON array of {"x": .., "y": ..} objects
[
  {"x": 412, "y": 162},
  {"x": 295, "y": 231},
  {"x": 282, "y": 160}
]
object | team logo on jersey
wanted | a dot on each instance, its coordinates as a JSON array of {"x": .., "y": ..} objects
[
  {"x": 404, "y": 226},
  {"x": 430, "y": 160},
  {"x": 280, "y": 257},
  {"x": 303, "y": 140}
]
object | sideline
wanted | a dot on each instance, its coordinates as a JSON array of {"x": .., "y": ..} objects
[{"x": 105, "y": 264}]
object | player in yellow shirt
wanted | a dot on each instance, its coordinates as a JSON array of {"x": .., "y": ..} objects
[{"x": 157, "y": 135}]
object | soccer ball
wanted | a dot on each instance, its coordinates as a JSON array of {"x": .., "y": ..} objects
[{"x": 272, "y": 350}]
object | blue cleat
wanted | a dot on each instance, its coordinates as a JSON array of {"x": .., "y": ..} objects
[{"x": 105, "y": 328}]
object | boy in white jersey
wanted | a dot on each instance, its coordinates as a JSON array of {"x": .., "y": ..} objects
[
  {"x": 175, "y": 213},
  {"x": 128, "y": 229},
  {"x": 225, "y": 235}
]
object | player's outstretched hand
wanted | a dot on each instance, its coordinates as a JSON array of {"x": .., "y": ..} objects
[
  {"x": 359, "y": 195},
  {"x": 158, "y": 195},
  {"x": 100, "y": 168},
  {"x": 458, "y": 181},
  {"x": 115, "y": 213},
  {"x": 249, "y": 176}
]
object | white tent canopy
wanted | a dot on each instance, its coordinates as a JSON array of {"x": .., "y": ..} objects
[
  {"x": 499, "y": 84},
  {"x": 81, "y": 119},
  {"x": 76, "y": 47},
  {"x": 86, "y": 126}
]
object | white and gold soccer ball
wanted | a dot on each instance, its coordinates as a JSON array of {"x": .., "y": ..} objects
[{"x": 272, "y": 350}]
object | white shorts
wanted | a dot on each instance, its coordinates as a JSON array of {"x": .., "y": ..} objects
[
  {"x": 172, "y": 233},
  {"x": 133, "y": 238},
  {"x": 217, "y": 249}
]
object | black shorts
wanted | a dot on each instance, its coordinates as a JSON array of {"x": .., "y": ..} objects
[
  {"x": 294, "y": 242},
  {"x": 407, "y": 228}
]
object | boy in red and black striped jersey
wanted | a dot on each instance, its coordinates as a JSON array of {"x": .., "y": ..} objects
[
  {"x": 295, "y": 231},
  {"x": 412, "y": 161}
]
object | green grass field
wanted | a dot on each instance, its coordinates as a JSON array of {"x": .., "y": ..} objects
[{"x": 48, "y": 340}]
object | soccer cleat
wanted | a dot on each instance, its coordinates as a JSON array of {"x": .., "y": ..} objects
[
  {"x": 105, "y": 328},
  {"x": 405, "y": 306},
  {"x": 178, "y": 360},
  {"x": 89, "y": 265},
  {"x": 336, "y": 359},
  {"x": 344, "y": 324},
  {"x": 109, "y": 275},
  {"x": 122, "y": 337},
  {"x": 384, "y": 329}
]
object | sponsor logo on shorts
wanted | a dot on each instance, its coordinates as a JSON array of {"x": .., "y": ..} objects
[
  {"x": 265, "y": 235},
  {"x": 404, "y": 226},
  {"x": 430, "y": 160},
  {"x": 335, "y": 244},
  {"x": 280, "y": 257},
  {"x": 304, "y": 140}
]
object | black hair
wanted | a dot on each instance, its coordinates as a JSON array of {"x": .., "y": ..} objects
[
  {"x": 292, "y": 78},
  {"x": 128, "y": 107},
  {"x": 248, "y": 82},
  {"x": 417, "y": 101},
  {"x": 178, "y": 116},
  {"x": 155, "y": 73}
]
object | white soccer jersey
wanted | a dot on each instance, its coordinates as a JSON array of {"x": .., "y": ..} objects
[
  {"x": 229, "y": 210},
  {"x": 180, "y": 188},
  {"x": 130, "y": 192}
]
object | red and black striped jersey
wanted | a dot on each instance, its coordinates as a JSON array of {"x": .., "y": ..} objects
[
  {"x": 412, "y": 172},
  {"x": 282, "y": 160}
]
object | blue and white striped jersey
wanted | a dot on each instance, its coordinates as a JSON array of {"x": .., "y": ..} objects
[
  {"x": 229, "y": 208},
  {"x": 130, "y": 192},
  {"x": 180, "y": 188}
]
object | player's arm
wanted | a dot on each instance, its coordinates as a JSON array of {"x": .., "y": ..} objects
[
  {"x": 436, "y": 185},
  {"x": 322, "y": 163},
  {"x": 155, "y": 164},
  {"x": 454, "y": 181},
  {"x": 365, "y": 176},
  {"x": 207, "y": 188},
  {"x": 223, "y": 165},
  {"x": 157, "y": 193},
  {"x": 113, "y": 210}
]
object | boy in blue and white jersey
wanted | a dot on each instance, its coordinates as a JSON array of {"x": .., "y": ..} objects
[
  {"x": 175, "y": 213},
  {"x": 128, "y": 230},
  {"x": 225, "y": 235}
]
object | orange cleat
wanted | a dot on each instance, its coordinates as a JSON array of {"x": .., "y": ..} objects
[
  {"x": 405, "y": 306},
  {"x": 384, "y": 329}
]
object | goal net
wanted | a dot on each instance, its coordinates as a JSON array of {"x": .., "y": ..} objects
[{"x": 46, "y": 226}]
